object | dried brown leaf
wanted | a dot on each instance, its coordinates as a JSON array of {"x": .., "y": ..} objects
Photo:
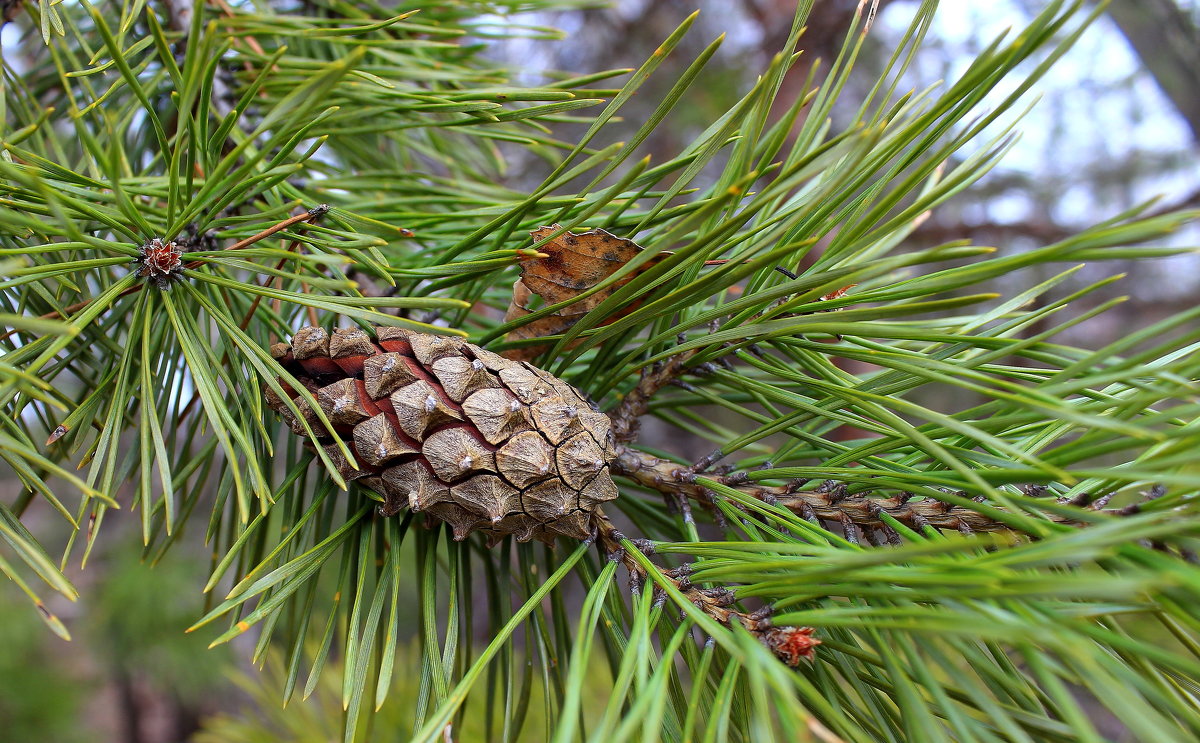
[{"x": 572, "y": 264}]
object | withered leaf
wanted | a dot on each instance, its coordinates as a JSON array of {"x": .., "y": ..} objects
[{"x": 573, "y": 264}]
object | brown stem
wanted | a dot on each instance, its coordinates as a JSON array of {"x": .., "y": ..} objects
[
  {"x": 625, "y": 417},
  {"x": 852, "y": 511},
  {"x": 311, "y": 214},
  {"x": 625, "y": 423},
  {"x": 791, "y": 644}
]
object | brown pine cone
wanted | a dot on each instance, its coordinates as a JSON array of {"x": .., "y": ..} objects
[{"x": 448, "y": 429}]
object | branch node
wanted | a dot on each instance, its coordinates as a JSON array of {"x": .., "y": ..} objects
[
  {"x": 737, "y": 478},
  {"x": 707, "y": 461},
  {"x": 645, "y": 546}
]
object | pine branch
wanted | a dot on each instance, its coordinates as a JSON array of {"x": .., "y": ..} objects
[
  {"x": 829, "y": 503},
  {"x": 172, "y": 267},
  {"x": 790, "y": 644},
  {"x": 125, "y": 130},
  {"x": 625, "y": 418}
]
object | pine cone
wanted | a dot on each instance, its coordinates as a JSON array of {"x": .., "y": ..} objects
[{"x": 446, "y": 428}]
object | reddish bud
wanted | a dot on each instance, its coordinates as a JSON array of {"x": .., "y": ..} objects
[
  {"x": 160, "y": 262},
  {"x": 791, "y": 643}
]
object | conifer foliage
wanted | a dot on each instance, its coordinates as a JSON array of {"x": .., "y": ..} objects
[{"x": 951, "y": 526}]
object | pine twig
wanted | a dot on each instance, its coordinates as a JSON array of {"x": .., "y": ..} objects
[
  {"x": 309, "y": 216},
  {"x": 668, "y": 371},
  {"x": 819, "y": 504},
  {"x": 625, "y": 424},
  {"x": 790, "y": 644}
]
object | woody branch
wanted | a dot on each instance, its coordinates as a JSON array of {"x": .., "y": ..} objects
[
  {"x": 832, "y": 503},
  {"x": 790, "y": 644}
]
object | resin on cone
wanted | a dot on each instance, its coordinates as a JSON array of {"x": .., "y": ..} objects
[{"x": 443, "y": 427}]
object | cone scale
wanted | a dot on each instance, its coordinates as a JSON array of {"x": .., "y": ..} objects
[{"x": 443, "y": 427}]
